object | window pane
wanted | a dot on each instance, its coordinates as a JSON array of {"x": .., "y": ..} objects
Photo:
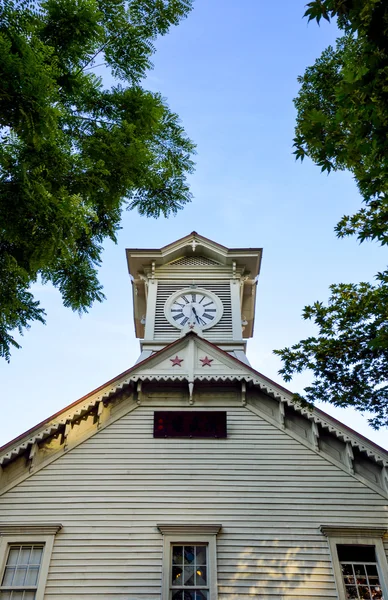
[
  {"x": 29, "y": 595},
  {"x": 201, "y": 595},
  {"x": 200, "y": 555},
  {"x": 200, "y": 576},
  {"x": 32, "y": 576},
  {"x": 377, "y": 593},
  {"x": 351, "y": 592},
  {"x": 177, "y": 575},
  {"x": 8, "y": 576},
  {"x": 177, "y": 555},
  {"x": 36, "y": 555},
  {"x": 348, "y": 574},
  {"x": 177, "y": 595},
  {"x": 189, "y": 555},
  {"x": 364, "y": 592},
  {"x": 188, "y": 576},
  {"x": 360, "y": 574},
  {"x": 17, "y": 595},
  {"x": 186, "y": 595},
  {"x": 371, "y": 570},
  {"x": 25, "y": 554},
  {"x": 13, "y": 556},
  {"x": 20, "y": 576},
  {"x": 5, "y": 595}
]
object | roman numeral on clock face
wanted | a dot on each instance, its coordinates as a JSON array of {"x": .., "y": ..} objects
[{"x": 195, "y": 308}]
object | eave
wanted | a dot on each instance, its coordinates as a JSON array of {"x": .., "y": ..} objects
[{"x": 99, "y": 399}]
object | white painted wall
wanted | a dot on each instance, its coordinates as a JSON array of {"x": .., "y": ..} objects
[{"x": 269, "y": 492}]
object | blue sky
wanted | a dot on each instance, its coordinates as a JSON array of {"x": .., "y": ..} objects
[{"x": 230, "y": 71}]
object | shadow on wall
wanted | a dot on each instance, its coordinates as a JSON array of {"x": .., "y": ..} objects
[{"x": 270, "y": 570}]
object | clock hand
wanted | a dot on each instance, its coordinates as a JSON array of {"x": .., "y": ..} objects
[{"x": 195, "y": 313}]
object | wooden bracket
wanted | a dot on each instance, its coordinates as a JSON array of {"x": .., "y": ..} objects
[
  {"x": 243, "y": 393},
  {"x": 315, "y": 432},
  {"x": 384, "y": 477},
  {"x": 66, "y": 434},
  {"x": 32, "y": 456},
  {"x": 282, "y": 415},
  {"x": 191, "y": 390},
  {"x": 139, "y": 395},
  {"x": 100, "y": 409},
  {"x": 349, "y": 457}
]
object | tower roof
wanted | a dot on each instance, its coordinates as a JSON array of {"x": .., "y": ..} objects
[
  {"x": 201, "y": 257},
  {"x": 194, "y": 244}
]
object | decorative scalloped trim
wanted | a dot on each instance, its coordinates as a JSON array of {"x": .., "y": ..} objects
[{"x": 309, "y": 413}]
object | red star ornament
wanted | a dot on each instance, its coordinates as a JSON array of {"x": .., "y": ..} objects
[
  {"x": 176, "y": 361},
  {"x": 206, "y": 361}
]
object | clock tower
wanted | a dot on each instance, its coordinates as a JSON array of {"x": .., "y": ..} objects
[{"x": 194, "y": 284}]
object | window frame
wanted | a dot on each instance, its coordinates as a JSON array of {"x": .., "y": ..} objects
[
  {"x": 189, "y": 535},
  {"x": 23, "y": 536},
  {"x": 356, "y": 536}
]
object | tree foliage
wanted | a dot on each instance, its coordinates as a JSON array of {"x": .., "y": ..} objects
[
  {"x": 74, "y": 152},
  {"x": 342, "y": 123}
]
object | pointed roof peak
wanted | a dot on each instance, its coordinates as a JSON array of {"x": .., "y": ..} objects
[{"x": 249, "y": 258}]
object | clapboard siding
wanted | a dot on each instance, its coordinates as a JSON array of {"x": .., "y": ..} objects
[{"x": 270, "y": 493}]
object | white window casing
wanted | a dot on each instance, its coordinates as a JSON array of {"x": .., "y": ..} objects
[
  {"x": 189, "y": 535},
  {"x": 14, "y": 535},
  {"x": 356, "y": 536}
]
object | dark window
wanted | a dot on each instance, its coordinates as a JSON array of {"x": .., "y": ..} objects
[
  {"x": 357, "y": 553},
  {"x": 193, "y": 424},
  {"x": 359, "y": 571}
]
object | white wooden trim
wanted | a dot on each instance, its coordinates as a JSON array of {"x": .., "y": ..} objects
[
  {"x": 179, "y": 529},
  {"x": 190, "y": 534},
  {"x": 369, "y": 536},
  {"x": 151, "y": 309},
  {"x": 236, "y": 308},
  {"x": 29, "y": 534},
  {"x": 7, "y": 529},
  {"x": 353, "y": 532}
]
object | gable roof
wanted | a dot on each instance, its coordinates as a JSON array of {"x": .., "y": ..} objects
[
  {"x": 191, "y": 350},
  {"x": 193, "y": 242}
]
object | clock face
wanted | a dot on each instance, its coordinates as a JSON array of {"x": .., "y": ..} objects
[{"x": 193, "y": 307}]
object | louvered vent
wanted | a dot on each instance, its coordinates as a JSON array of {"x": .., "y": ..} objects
[
  {"x": 167, "y": 332},
  {"x": 193, "y": 261}
]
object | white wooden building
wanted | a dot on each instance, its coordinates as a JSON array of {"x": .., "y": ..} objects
[{"x": 191, "y": 476}]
